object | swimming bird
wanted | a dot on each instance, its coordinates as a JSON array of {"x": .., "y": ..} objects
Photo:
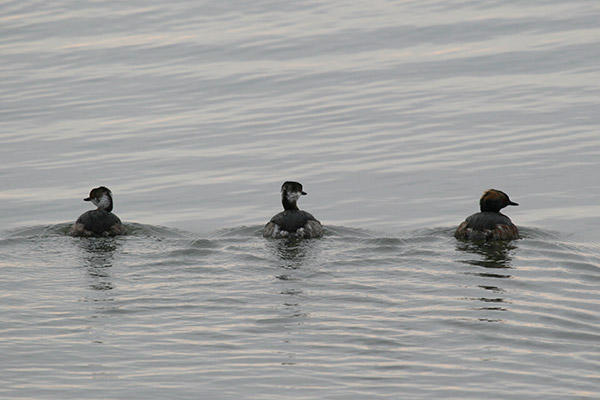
[
  {"x": 101, "y": 221},
  {"x": 490, "y": 223},
  {"x": 292, "y": 221}
]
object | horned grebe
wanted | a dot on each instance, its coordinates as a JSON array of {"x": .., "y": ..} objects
[
  {"x": 489, "y": 224},
  {"x": 101, "y": 221},
  {"x": 292, "y": 221}
]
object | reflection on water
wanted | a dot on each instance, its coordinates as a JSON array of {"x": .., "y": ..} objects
[
  {"x": 291, "y": 254},
  {"x": 195, "y": 111},
  {"x": 496, "y": 257},
  {"x": 294, "y": 256},
  {"x": 302, "y": 310},
  {"x": 97, "y": 258},
  {"x": 291, "y": 251},
  {"x": 491, "y": 255}
]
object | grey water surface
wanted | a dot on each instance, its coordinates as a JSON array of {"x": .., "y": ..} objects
[{"x": 395, "y": 116}]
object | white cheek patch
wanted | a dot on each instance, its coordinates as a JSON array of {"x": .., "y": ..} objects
[
  {"x": 293, "y": 196},
  {"x": 103, "y": 202}
]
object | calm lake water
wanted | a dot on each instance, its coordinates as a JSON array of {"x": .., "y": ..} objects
[{"x": 395, "y": 116}]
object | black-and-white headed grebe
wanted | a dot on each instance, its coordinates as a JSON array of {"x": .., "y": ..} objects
[
  {"x": 101, "y": 221},
  {"x": 490, "y": 223},
  {"x": 292, "y": 221}
]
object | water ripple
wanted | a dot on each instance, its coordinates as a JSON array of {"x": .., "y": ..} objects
[{"x": 394, "y": 115}]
